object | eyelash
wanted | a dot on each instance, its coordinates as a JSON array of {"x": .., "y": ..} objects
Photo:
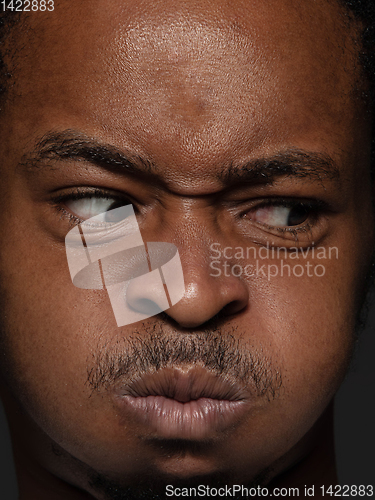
[
  {"x": 314, "y": 207},
  {"x": 80, "y": 194}
]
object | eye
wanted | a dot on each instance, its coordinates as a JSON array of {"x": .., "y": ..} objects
[
  {"x": 85, "y": 208},
  {"x": 281, "y": 215},
  {"x": 84, "y": 203}
]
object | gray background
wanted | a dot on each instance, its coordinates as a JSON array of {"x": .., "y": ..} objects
[{"x": 354, "y": 415}]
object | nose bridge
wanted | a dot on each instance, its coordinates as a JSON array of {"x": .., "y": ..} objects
[
  {"x": 193, "y": 232},
  {"x": 194, "y": 238},
  {"x": 206, "y": 293}
]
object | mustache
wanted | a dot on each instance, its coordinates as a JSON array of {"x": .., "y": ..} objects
[{"x": 219, "y": 352}]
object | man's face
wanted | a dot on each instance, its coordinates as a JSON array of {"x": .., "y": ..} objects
[{"x": 242, "y": 131}]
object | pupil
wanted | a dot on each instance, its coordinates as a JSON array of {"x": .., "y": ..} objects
[{"x": 297, "y": 215}]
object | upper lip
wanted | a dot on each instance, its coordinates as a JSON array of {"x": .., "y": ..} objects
[{"x": 184, "y": 385}]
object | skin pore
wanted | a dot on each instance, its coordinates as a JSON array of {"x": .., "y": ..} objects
[{"x": 211, "y": 119}]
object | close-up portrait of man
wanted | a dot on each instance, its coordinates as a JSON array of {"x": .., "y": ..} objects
[{"x": 187, "y": 243}]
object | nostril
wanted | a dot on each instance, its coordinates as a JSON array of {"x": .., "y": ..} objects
[
  {"x": 233, "y": 307},
  {"x": 144, "y": 305}
]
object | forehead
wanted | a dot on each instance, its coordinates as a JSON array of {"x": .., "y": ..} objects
[{"x": 187, "y": 84}]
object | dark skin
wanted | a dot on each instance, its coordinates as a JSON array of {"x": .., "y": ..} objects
[{"x": 194, "y": 89}]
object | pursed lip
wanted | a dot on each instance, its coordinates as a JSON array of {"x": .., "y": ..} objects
[{"x": 183, "y": 404}]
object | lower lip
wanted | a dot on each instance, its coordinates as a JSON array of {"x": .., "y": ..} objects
[{"x": 171, "y": 419}]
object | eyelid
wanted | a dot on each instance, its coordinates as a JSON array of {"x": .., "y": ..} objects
[
  {"x": 317, "y": 208},
  {"x": 78, "y": 193},
  {"x": 314, "y": 206},
  {"x": 291, "y": 202},
  {"x": 81, "y": 193}
]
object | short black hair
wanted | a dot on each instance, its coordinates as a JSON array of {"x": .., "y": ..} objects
[
  {"x": 364, "y": 11},
  {"x": 8, "y": 20}
]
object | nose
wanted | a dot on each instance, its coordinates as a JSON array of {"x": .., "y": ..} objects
[
  {"x": 205, "y": 294},
  {"x": 205, "y": 298}
]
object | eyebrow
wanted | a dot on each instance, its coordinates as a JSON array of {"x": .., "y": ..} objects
[{"x": 70, "y": 145}]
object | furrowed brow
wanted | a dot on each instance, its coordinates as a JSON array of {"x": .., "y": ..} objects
[
  {"x": 294, "y": 163},
  {"x": 70, "y": 145}
]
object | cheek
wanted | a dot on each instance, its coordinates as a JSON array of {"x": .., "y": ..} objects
[
  {"x": 309, "y": 323},
  {"x": 50, "y": 329},
  {"x": 51, "y": 334},
  {"x": 306, "y": 327}
]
